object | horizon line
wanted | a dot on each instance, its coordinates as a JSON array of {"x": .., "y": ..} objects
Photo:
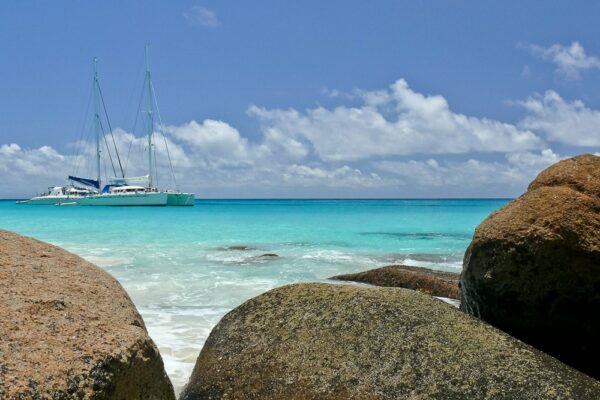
[{"x": 327, "y": 198}]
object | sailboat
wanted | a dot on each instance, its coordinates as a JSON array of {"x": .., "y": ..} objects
[
  {"x": 117, "y": 191},
  {"x": 72, "y": 194},
  {"x": 134, "y": 191}
]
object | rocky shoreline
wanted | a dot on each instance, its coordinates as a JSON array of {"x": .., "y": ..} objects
[
  {"x": 435, "y": 283},
  {"x": 527, "y": 327}
]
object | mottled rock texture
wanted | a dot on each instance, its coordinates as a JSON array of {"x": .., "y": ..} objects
[
  {"x": 435, "y": 283},
  {"x": 533, "y": 267},
  {"x": 320, "y": 341},
  {"x": 69, "y": 331}
]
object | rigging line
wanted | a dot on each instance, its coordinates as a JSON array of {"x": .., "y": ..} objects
[
  {"x": 107, "y": 149},
  {"x": 105, "y": 172},
  {"x": 80, "y": 122},
  {"x": 162, "y": 132},
  {"x": 137, "y": 114},
  {"x": 82, "y": 126},
  {"x": 111, "y": 132},
  {"x": 169, "y": 156},
  {"x": 155, "y": 166}
]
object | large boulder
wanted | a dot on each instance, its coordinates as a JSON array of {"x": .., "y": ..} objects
[
  {"x": 68, "y": 330},
  {"x": 321, "y": 341},
  {"x": 435, "y": 283},
  {"x": 533, "y": 267}
]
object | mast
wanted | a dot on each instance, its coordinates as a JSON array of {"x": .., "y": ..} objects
[
  {"x": 150, "y": 117},
  {"x": 97, "y": 122}
]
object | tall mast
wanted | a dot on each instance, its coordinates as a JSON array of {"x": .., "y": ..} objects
[
  {"x": 97, "y": 122},
  {"x": 150, "y": 117}
]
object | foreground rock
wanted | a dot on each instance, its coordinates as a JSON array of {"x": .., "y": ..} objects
[
  {"x": 320, "y": 341},
  {"x": 435, "y": 283},
  {"x": 533, "y": 267},
  {"x": 69, "y": 331}
]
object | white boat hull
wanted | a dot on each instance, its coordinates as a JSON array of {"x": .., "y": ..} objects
[
  {"x": 51, "y": 200},
  {"x": 180, "y": 199},
  {"x": 137, "y": 199}
]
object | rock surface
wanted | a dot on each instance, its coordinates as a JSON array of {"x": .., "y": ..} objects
[
  {"x": 237, "y": 248},
  {"x": 435, "y": 283},
  {"x": 69, "y": 331},
  {"x": 533, "y": 267},
  {"x": 321, "y": 341}
]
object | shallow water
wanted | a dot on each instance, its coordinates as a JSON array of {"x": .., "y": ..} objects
[{"x": 178, "y": 266}]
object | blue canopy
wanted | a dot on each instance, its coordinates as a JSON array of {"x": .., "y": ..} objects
[{"x": 86, "y": 181}]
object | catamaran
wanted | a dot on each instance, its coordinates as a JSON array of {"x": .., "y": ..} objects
[{"x": 118, "y": 191}]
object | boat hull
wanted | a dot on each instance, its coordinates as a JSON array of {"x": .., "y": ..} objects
[
  {"x": 51, "y": 200},
  {"x": 180, "y": 199},
  {"x": 138, "y": 199}
]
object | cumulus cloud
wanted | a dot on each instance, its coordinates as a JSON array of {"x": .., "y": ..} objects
[
  {"x": 571, "y": 123},
  {"x": 395, "y": 142},
  {"x": 397, "y": 121},
  {"x": 570, "y": 61},
  {"x": 216, "y": 142},
  {"x": 198, "y": 16},
  {"x": 516, "y": 172},
  {"x": 42, "y": 161},
  {"x": 344, "y": 176},
  {"x": 30, "y": 170}
]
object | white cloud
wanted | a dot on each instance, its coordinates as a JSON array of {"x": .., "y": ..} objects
[
  {"x": 344, "y": 176},
  {"x": 398, "y": 121},
  {"x": 26, "y": 172},
  {"x": 216, "y": 142},
  {"x": 570, "y": 123},
  {"x": 277, "y": 144},
  {"x": 43, "y": 161},
  {"x": 31, "y": 170},
  {"x": 201, "y": 17},
  {"x": 533, "y": 161},
  {"x": 397, "y": 142},
  {"x": 517, "y": 172},
  {"x": 570, "y": 60}
]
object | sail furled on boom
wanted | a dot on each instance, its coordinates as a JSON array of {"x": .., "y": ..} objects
[{"x": 85, "y": 181}]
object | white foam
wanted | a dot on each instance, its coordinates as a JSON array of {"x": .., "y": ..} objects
[
  {"x": 183, "y": 293},
  {"x": 108, "y": 261},
  {"x": 437, "y": 265},
  {"x": 180, "y": 334}
]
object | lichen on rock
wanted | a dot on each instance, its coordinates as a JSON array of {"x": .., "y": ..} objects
[{"x": 322, "y": 341}]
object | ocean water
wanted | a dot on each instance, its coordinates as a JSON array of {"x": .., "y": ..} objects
[{"x": 184, "y": 268}]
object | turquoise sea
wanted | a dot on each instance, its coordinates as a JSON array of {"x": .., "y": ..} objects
[{"x": 178, "y": 266}]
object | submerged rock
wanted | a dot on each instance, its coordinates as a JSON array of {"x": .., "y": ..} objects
[
  {"x": 435, "y": 283},
  {"x": 266, "y": 257},
  {"x": 69, "y": 331},
  {"x": 320, "y": 341},
  {"x": 237, "y": 248},
  {"x": 533, "y": 267}
]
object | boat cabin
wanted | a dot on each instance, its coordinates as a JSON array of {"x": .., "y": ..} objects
[{"x": 128, "y": 190}]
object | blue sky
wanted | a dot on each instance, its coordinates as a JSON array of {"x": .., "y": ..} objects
[{"x": 310, "y": 98}]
